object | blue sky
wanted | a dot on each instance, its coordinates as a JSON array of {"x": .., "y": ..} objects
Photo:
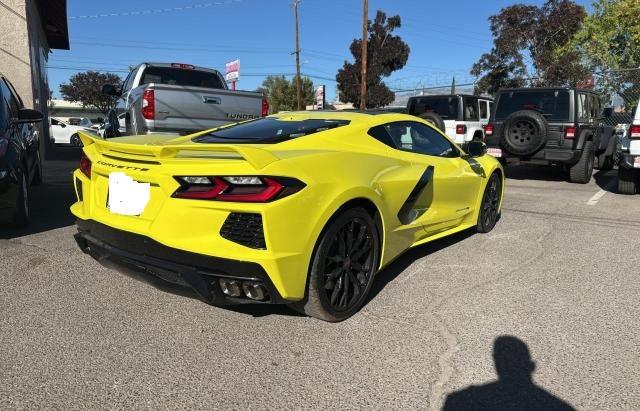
[{"x": 445, "y": 37}]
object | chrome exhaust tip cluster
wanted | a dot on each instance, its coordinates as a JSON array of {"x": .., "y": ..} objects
[{"x": 252, "y": 290}]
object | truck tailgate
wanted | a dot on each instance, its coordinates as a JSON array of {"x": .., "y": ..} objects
[{"x": 198, "y": 108}]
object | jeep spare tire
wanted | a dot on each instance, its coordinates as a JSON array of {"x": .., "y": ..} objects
[
  {"x": 524, "y": 132},
  {"x": 434, "y": 119}
]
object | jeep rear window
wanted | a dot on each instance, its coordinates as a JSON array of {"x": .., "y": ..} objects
[
  {"x": 268, "y": 130},
  {"x": 552, "y": 104},
  {"x": 444, "y": 106},
  {"x": 181, "y": 77}
]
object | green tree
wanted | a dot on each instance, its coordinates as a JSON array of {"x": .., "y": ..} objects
[
  {"x": 386, "y": 53},
  {"x": 86, "y": 88},
  {"x": 281, "y": 92},
  {"x": 529, "y": 41},
  {"x": 609, "y": 41}
]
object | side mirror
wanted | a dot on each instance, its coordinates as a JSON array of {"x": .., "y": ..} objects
[
  {"x": 27, "y": 115},
  {"x": 110, "y": 90},
  {"x": 476, "y": 148},
  {"x": 607, "y": 112}
]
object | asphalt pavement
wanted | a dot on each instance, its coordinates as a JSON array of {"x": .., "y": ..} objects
[{"x": 541, "y": 312}]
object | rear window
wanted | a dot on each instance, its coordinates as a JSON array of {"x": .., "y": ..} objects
[
  {"x": 181, "y": 77},
  {"x": 445, "y": 107},
  {"x": 552, "y": 104},
  {"x": 268, "y": 130}
]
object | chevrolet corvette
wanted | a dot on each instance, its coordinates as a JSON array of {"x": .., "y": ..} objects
[{"x": 298, "y": 208}]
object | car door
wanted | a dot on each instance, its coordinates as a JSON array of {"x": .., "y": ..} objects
[{"x": 445, "y": 185}]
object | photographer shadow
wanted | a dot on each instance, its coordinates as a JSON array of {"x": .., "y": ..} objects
[{"x": 514, "y": 389}]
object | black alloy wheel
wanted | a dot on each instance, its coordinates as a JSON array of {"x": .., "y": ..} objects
[
  {"x": 343, "y": 266},
  {"x": 490, "y": 207},
  {"x": 347, "y": 266},
  {"x": 75, "y": 141}
]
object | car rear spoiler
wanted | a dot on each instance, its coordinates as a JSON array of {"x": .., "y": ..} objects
[{"x": 257, "y": 157}]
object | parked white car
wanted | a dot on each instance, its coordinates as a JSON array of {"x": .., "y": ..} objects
[
  {"x": 629, "y": 165},
  {"x": 62, "y": 132}
]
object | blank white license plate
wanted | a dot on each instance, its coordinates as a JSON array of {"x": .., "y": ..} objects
[
  {"x": 636, "y": 162},
  {"x": 127, "y": 196},
  {"x": 496, "y": 152}
]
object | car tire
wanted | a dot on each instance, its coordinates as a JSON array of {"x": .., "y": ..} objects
[
  {"x": 434, "y": 119},
  {"x": 75, "y": 140},
  {"x": 627, "y": 181},
  {"x": 489, "y": 213},
  {"x": 21, "y": 217},
  {"x": 524, "y": 132},
  {"x": 338, "y": 280},
  {"x": 581, "y": 171},
  {"x": 37, "y": 175}
]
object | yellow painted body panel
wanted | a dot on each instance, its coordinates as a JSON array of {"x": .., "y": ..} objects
[{"x": 337, "y": 166}]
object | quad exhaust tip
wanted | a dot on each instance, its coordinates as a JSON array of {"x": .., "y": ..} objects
[{"x": 250, "y": 289}]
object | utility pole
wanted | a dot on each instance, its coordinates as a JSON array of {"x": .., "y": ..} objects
[
  {"x": 297, "y": 53},
  {"x": 363, "y": 71}
]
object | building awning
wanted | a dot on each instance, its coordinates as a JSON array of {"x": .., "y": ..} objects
[{"x": 53, "y": 14}]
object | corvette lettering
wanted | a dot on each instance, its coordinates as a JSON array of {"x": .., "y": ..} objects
[{"x": 121, "y": 167}]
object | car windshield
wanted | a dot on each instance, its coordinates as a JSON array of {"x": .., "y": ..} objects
[
  {"x": 269, "y": 130},
  {"x": 552, "y": 104},
  {"x": 181, "y": 77},
  {"x": 444, "y": 106}
]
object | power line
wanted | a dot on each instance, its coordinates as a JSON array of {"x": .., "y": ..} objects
[{"x": 156, "y": 11}]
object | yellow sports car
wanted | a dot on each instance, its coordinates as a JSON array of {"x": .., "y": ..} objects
[{"x": 299, "y": 208}]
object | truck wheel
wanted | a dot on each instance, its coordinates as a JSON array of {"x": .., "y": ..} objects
[
  {"x": 342, "y": 267},
  {"x": 434, "y": 119},
  {"x": 524, "y": 132},
  {"x": 606, "y": 162},
  {"x": 627, "y": 181},
  {"x": 581, "y": 171}
]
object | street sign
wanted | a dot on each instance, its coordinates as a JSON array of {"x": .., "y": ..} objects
[
  {"x": 319, "y": 98},
  {"x": 232, "y": 72}
]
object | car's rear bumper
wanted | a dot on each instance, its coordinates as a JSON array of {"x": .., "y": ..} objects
[
  {"x": 150, "y": 261},
  {"x": 552, "y": 155}
]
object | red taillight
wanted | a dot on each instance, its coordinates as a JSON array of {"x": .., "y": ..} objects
[
  {"x": 569, "y": 132},
  {"x": 4, "y": 143},
  {"x": 85, "y": 165},
  {"x": 183, "y": 66},
  {"x": 245, "y": 189},
  {"x": 265, "y": 107},
  {"x": 488, "y": 130},
  {"x": 149, "y": 105},
  {"x": 634, "y": 131},
  {"x": 461, "y": 128}
]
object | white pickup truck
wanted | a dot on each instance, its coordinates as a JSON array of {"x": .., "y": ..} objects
[{"x": 176, "y": 98}]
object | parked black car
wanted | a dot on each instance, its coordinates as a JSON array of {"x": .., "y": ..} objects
[
  {"x": 20, "y": 164},
  {"x": 553, "y": 125}
]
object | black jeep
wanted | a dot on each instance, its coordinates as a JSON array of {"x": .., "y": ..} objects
[{"x": 554, "y": 125}]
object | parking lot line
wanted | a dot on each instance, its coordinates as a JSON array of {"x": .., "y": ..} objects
[{"x": 597, "y": 196}]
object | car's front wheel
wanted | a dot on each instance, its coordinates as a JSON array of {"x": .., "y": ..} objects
[
  {"x": 490, "y": 206},
  {"x": 343, "y": 266}
]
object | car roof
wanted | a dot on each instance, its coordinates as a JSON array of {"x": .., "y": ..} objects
[
  {"x": 586, "y": 90},
  {"x": 454, "y": 95}
]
